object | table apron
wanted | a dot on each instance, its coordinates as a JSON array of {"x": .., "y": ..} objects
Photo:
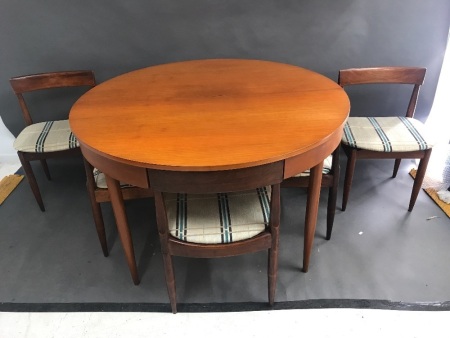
[
  {"x": 297, "y": 164},
  {"x": 122, "y": 172},
  {"x": 137, "y": 176}
]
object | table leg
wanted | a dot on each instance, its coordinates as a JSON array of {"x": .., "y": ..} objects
[
  {"x": 118, "y": 206},
  {"x": 312, "y": 206}
]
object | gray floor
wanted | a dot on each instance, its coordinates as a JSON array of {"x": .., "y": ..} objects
[{"x": 378, "y": 249}]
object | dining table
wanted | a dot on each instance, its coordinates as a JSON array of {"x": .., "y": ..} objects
[{"x": 210, "y": 115}]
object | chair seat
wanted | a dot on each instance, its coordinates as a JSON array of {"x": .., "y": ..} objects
[
  {"x": 387, "y": 134},
  {"x": 46, "y": 137},
  {"x": 100, "y": 180},
  {"x": 326, "y": 167},
  {"x": 218, "y": 218}
]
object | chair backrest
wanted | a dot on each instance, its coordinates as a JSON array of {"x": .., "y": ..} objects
[
  {"x": 394, "y": 75},
  {"x": 29, "y": 83}
]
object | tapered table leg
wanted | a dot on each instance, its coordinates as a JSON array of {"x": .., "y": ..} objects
[
  {"x": 312, "y": 206},
  {"x": 122, "y": 225}
]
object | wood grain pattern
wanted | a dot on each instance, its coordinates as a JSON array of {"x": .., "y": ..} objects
[
  {"x": 223, "y": 116},
  {"x": 210, "y": 114}
]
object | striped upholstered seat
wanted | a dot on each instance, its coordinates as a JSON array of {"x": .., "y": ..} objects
[
  {"x": 218, "y": 218},
  {"x": 46, "y": 137},
  {"x": 386, "y": 134}
]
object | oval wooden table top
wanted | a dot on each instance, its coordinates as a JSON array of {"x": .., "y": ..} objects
[
  {"x": 207, "y": 115},
  {"x": 210, "y": 115}
]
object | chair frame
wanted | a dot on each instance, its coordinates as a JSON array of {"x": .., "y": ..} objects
[
  {"x": 386, "y": 75},
  {"x": 330, "y": 181},
  {"x": 42, "y": 81},
  {"x": 215, "y": 182},
  {"x": 101, "y": 195}
]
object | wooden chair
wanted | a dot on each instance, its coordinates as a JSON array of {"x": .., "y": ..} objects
[
  {"x": 394, "y": 137},
  {"x": 330, "y": 180},
  {"x": 49, "y": 139},
  {"x": 98, "y": 193},
  {"x": 218, "y": 214}
]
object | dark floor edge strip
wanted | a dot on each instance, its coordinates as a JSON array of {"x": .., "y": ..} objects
[{"x": 226, "y": 307}]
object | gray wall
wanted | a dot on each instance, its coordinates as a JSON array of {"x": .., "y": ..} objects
[{"x": 112, "y": 37}]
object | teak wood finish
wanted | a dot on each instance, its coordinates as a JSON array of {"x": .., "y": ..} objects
[
  {"x": 215, "y": 182},
  {"x": 386, "y": 75},
  {"x": 101, "y": 195},
  {"x": 211, "y": 116},
  {"x": 116, "y": 195},
  {"x": 330, "y": 181},
  {"x": 35, "y": 82}
]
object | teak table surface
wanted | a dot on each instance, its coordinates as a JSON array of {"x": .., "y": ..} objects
[{"x": 211, "y": 115}]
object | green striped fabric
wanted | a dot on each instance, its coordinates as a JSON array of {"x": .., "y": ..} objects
[
  {"x": 218, "y": 218},
  {"x": 387, "y": 134},
  {"x": 46, "y": 137}
]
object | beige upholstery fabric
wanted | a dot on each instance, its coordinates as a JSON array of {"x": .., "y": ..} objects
[
  {"x": 46, "y": 137},
  {"x": 387, "y": 134},
  {"x": 326, "y": 167},
  {"x": 218, "y": 218}
]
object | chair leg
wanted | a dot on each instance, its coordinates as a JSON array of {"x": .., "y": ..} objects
[
  {"x": 349, "y": 170},
  {"x": 100, "y": 226},
  {"x": 332, "y": 194},
  {"x": 45, "y": 167},
  {"x": 170, "y": 281},
  {"x": 272, "y": 274},
  {"x": 272, "y": 268},
  {"x": 31, "y": 180},
  {"x": 163, "y": 232},
  {"x": 396, "y": 166},
  {"x": 331, "y": 210},
  {"x": 420, "y": 174},
  {"x": 96, "y": 208}
]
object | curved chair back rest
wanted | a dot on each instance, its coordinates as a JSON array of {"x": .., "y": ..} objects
[
  {"x": 29, "y": 83},
  {"x": 399, "y": 75},
  {"x": 218, "y": 181},
  {"x": 406, "y": 75}
]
